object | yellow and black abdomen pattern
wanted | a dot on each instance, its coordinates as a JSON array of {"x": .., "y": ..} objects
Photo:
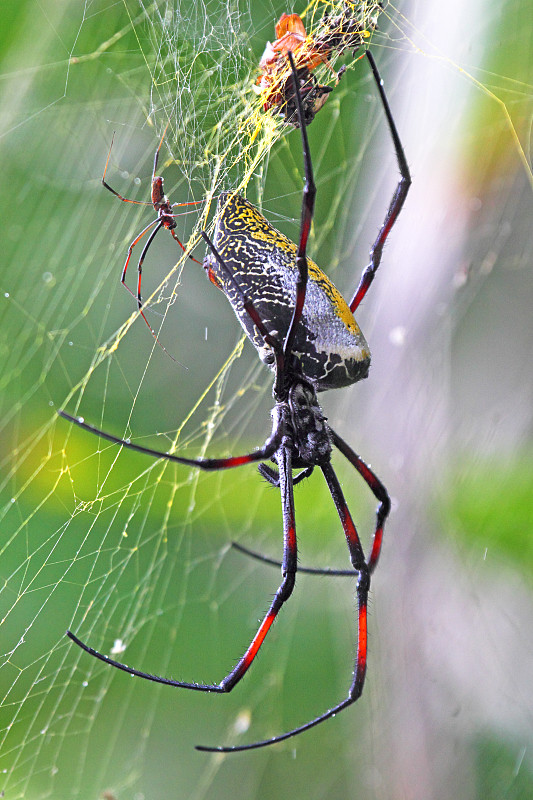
[{"x": 330, "y": 350}]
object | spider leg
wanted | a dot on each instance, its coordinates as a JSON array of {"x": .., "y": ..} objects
[
  {"x": 181, "y": 243},
  {"x": 398, "y": 198},
  {"x": 270, "y": 447},
  {"x": 363, "y": 585},
  {"x": 308, "y": 207},
  {"x": 345, "y": 573},
  {"x": 137, "y": 296},
  {"x": 110, "y": 189},
  {"x": 140, "y": 263},
  {"x": 377, "y": 488},
  {"x": 283, "y": 593},
  {"x": 159, "y": 224},
  {"x": 130, "y": 251},
  {"x": 272, "y": 476}
]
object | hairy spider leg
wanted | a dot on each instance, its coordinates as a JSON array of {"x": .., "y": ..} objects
[
  {"x": 373, "y": 482},
  {"x": 398, "y": 198},
  {"x": 268, "y": 449},
  {"x": 378, "y": 490},
  {"x": 272, "y": 476},
  {"x": 289, "y": 568},
  {"x": 360, "y": 565}
]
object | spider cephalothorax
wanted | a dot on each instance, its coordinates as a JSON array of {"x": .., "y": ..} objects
[{"x": 310, "y": 436}]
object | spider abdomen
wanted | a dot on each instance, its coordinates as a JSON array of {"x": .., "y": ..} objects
[{"x": 329, "y": 348}]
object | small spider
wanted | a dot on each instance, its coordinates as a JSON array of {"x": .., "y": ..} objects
[
  {"x": 305, "y": 331},
  {"x": 165, "y": 219},
  {"x": 334, "y": 33}
]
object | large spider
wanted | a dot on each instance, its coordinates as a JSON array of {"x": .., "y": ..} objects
[{"x": 305, "y": 331}]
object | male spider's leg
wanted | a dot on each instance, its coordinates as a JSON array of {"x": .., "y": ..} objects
[
  {"x": 130, "y": 251},
  {"x": 156, "y": 155},
  {"x": 140, "y": 265},
  {"x": 283, "y": 593},
  {"x": 181, "y": 243},
  {"x": 378, "y": 490},
  {"x": 398, "y": 198},
  {"x": 268, "y": 449},
  {"x": 344, "y": 573},
  {"x": 139, "y": 271},
  {"x": 308, "y": 207},
  {"x": 109, "y": 188}
]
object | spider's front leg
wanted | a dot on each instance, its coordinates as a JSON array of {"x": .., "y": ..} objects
[
  {"x": 398, "y": 198},
  {"x": 289, "y": 567}
]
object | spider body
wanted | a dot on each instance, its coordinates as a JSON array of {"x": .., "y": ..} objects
[
  {"x": 162, "y": 205},
  {"x": 329, "y": 349},
  {"x": 306, "y": 332},
  {"x": 307, "y": 430}
]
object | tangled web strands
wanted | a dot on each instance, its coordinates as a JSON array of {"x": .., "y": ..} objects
[{"x": 206, "y": 86}]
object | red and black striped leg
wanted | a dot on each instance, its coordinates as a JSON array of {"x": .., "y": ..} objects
[
  {"x": 113, "y": 191},
  {"x": 378, "y": 490},
  {"x": 180, "y": 242},
  {"x": 363, "y": 586},
  {"x": 398, "y": 198},
  {"x": 140, "y": 265},
  {"x": 137, "y": 296},
  {"x": 360, "y": 565},
  {"x": 268, "y": 449},
  {"x": 130, "y": 251},
  {"x": 288, "y": 569},
  {"x": 308, "y": 207},
  {"x": 283, "y": 593}
]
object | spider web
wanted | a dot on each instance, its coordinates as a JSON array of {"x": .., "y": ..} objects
[{"x": 134, "y": 555}]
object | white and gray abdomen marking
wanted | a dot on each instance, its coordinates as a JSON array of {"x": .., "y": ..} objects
[{"x": 330, "y": 350}]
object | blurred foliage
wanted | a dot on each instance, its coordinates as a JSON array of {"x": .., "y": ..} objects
[
  {"x": 119, "y": 547},
  {"x": 488, "y": 507}
]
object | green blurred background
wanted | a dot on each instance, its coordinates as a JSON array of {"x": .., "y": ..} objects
[{"x": 125, "y": 551}]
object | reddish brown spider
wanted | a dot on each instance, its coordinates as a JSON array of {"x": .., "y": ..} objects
[{"x": 165, "y": 219}]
